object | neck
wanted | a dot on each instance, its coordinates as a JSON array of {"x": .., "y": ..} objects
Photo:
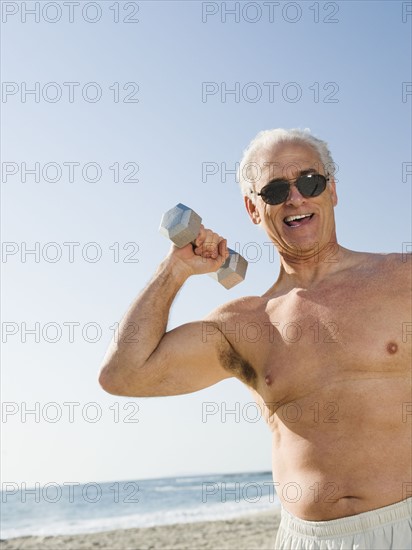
[{"x": 306, "y": 269}]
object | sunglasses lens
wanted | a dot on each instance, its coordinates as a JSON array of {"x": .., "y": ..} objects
[
  {"x": 311, "y": 185},
  {"x": 275, "y": 193}
]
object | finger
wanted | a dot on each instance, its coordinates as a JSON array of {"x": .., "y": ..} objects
[
  {"x": 211, "y": 245},
  {"x": 201, "y": 236},
  {"x": 223, "y": 253},
  {"x": 207, "y": 244},
  {"x": 223, "y": 250},
  {"x": 205, "y": 236}
]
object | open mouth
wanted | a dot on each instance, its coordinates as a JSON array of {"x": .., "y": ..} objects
[{"x": 298, "y": 220}]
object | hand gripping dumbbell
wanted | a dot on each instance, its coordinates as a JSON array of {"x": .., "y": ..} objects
[{"x": 181, "y": 225}]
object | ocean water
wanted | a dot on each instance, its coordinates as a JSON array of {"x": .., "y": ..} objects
[{"x": 55, "y": 509}]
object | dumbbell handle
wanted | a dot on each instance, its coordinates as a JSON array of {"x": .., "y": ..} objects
[{"x": 181, "y": 225}]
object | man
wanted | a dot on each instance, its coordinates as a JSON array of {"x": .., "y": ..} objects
[{"x": 335, "y": 390}]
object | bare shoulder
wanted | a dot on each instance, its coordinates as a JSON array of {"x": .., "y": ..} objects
[
  {"x": 399, "y": 264},
  {"x": 384, "y": 279},
  {"x": 392, "y": 265},
  {"x": 229, "y": 320},
  {"x": 230, "y": 316},
  {"x": 235, "y": 309}
]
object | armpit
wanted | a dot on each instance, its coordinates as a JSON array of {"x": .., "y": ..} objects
[{"x": 237, "y": 366}]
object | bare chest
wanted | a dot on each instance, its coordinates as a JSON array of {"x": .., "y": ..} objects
[{"x": 308, "y": 340}]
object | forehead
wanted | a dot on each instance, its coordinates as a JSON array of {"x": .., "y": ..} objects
[{"x": 287, "y": 160}]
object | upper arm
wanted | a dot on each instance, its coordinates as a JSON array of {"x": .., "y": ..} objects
[{"x": 187, "y": 359}]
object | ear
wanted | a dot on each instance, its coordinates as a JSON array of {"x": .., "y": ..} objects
[
  {"x": 333, "y": 194},
  {"x": 252, "y": 210}
]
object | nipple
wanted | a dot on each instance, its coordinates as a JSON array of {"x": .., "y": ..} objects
[
  {"x": 392, "y": 348},
  {"x": 268, "y": 379}
]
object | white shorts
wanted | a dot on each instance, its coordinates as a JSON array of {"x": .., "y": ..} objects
[{"x": 389, "y": 527}]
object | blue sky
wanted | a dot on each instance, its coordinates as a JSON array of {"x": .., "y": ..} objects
[{"x": 342, "y": 69}]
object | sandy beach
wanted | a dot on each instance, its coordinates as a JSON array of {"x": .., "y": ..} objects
[{"x": 252, "y": 532}]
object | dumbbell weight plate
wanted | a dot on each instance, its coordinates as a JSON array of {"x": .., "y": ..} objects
[
  {"x": 232, "y": 272},
  {"x": 181, "y": 225}
]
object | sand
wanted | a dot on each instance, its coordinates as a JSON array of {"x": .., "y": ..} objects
[{"x": 252, "y": 532}]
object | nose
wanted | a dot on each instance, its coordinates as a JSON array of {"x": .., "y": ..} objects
[{"x": 294, "y": 198}]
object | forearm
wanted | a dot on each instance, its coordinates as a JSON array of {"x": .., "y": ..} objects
[{"x": 144, "y": 325}]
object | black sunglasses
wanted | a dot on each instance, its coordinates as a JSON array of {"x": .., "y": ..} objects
[{"x": 308, "y": 185}]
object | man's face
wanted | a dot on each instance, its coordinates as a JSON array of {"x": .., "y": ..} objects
[{"x": 295, "y": 238}]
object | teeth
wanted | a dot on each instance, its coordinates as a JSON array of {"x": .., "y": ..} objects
[{"x": 293, "y": 218}]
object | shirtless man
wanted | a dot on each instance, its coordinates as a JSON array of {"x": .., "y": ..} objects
[{"x": 347, "y": 358}]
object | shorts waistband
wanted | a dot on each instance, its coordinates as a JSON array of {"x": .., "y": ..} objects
[{"x": 348, "y": 525}]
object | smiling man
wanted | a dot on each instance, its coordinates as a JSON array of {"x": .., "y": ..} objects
[{"x": 331, "y": 369}]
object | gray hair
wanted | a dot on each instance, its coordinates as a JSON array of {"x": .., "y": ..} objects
[{"x": 264, "y": 143}]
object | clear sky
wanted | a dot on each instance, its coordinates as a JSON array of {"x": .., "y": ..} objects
[{"x": 112, "y": 112}]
